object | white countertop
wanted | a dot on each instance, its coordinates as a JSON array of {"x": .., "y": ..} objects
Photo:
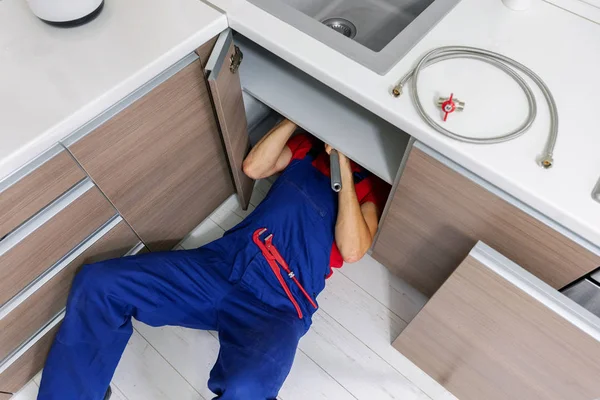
[
  {"x": 52, "y": 81},
  {"x": 560, "y": 46}
]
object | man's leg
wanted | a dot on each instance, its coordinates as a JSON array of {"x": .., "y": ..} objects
[
  {"x": 174, "y": 288},
  {"x": 258, "y": 345}
]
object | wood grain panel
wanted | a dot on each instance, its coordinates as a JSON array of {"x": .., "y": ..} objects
[
  {"x": 28, "y": 365},
  {"x": 31, "y": 315},
  {"x": 46, "y": 245},
  {"x": 161, "y": 161},
  {"x": 437, "y": 215},
  {"x": 36, "y": 190},
  {"x": 227, "y": 97},
  {"x": 5, "y": 396},
  {"x": 483, "y": 338}
]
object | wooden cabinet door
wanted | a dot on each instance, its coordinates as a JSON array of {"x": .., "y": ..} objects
[
  {"x": 495, "y": 332},
  {"x": 158, "y": 156},
  {"x": 437, "y": 214},
  {"x": 224, "y": 81}
]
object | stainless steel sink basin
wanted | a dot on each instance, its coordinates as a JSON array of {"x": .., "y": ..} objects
[{"x": 374, "y": 33}]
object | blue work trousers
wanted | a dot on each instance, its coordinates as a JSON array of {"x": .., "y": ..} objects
[{"x": 184, "y": 288}]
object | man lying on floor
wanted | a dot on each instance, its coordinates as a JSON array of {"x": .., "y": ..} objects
[{"x": 256, "y": 286}]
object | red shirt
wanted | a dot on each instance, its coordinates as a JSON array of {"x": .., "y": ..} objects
[{"x": 369, "y": 189}]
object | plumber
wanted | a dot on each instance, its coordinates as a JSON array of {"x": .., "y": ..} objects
[{"x": 257, "y": 285}]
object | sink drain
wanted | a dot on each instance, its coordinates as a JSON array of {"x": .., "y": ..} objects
[{"x": 342, "y": 26}]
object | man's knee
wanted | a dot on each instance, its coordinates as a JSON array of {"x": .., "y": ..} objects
[
  {"x": 89, "y": 313},
  {"x": 92, "y": 280}
]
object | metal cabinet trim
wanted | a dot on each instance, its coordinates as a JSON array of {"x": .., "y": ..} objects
[
  {"x": 537, "y": 289},
  {"x": 44, "y": 215},
  {"x": 28, "y": 168}
]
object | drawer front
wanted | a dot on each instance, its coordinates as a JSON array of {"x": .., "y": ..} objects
[
  {"x": 438, "y": 214},
  {"x": 495, "y": 332},
  {"x": 31, "y": 249},
  {"x": 30, "y": 311},
  {"x": 29, "y": 190},
  {"x": 30, "y": 361},
  {"x": 158, "y": 156}
]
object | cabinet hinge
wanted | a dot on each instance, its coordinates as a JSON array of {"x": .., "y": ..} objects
[{"x": 236, "y": 59}]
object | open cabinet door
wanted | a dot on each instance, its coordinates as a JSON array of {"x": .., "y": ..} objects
[
  {"x": 224, "y": 81},
  {"x": 493, "y": 331}
]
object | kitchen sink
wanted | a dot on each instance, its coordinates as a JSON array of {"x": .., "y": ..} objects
[{"x": 374, "y": 33}]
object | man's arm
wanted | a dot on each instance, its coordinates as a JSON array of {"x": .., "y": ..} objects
[
  {"x": 356, "y": 224},
  {"x": 270, "y": 155}
]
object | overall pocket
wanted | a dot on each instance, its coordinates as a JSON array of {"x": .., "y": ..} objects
[{"x": 260, "y": 280}]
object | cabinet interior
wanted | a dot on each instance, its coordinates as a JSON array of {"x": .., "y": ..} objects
[
  {"x": 279, "y": 86},
  {"x": 261, "y": 119}
]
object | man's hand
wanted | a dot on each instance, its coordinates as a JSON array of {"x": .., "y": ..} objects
[{"x": 344, "y": 161}]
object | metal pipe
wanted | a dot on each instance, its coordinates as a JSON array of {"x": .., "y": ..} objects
[
  {"x": 505, "y": 64},
  {"x": 336, "y": 175}
]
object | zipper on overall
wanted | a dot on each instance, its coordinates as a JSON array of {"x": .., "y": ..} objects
[{"x": 276, "y": 262}]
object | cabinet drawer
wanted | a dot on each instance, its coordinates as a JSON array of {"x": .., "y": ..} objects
[
  {"x": 438, "y": 213},
  {"x": 493, "y": 331},
  {"x": 28, "y": 312},
  {"x": 36, "y": 185},
  {"x": 37, "y": 245},
  {"x": 158, "y": 156},
  {"x": 19, "y": 370}
]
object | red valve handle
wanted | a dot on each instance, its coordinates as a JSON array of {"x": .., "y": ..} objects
[{"x": 448, "y": 106}]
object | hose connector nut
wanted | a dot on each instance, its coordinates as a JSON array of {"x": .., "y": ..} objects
[
  {"x": 397, "y": 90},
  {"x": 547, "y": 161}
]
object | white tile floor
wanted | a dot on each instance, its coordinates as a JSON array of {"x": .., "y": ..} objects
[{"x": 346, "y": 355}]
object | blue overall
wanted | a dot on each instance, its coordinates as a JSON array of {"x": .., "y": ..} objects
[{"x": 226, "y": 285}]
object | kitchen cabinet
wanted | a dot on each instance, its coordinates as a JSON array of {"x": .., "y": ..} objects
[
  {"x": 157, "y": 158},
  {"x": 437, "y": 214},
  {"x": 493, "y": 331},
  {"x": 158, "y": 155}
]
